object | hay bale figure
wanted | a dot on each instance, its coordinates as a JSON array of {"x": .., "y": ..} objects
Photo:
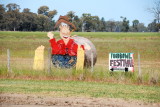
[
  {"x": 80, "y": 58},
  {"x": 39, "y": 58},
  {"x": 86, "y": 43},
  {"x": 64, "y": 51}
]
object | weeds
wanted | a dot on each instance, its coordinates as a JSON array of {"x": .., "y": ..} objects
[{"x": 85, "y": 75}]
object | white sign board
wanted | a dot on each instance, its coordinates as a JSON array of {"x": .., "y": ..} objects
[{"x": 121, "y": 62}]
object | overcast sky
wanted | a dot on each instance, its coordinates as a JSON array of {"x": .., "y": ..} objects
[{"x": 109, "y": 9}]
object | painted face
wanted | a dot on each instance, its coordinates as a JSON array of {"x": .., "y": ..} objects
[{"x": 65, "y": 32}]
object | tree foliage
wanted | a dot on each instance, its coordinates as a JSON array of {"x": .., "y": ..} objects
[
  {"x": 156, "y": 10},
  {"x": 111, "y": 24},
  {"x": 153, "y": 27},
  {"x": 51, "y": 14},
  {"x": 135, "y": 25},
  {"x": 71, "y": 15},
  {"x": 43, "y": 10},
  {"x": 12, "y": 7},
  {"x": 12, "y": 19},
  {"x": 125, "y": 24},
  {"x": 26, "y": 10}
]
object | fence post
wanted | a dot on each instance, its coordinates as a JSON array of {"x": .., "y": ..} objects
[
  {"x": 139, "y": 66},
  {"x": 139, "y": 70},
  {"x": 49, "y": 60},
  {"x": 8, "y": 61},
  {"x": 91, "y": 61}
]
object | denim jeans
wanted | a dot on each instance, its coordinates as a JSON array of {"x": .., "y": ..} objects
[{"x": 64, "y": 61}]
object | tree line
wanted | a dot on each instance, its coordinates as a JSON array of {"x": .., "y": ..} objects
[{"x": 11, "y": 19}]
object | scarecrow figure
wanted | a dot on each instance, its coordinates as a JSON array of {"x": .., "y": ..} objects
[{"x": 64, "y": 51}]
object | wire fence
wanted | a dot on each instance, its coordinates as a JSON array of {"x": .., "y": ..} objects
[{"x": 24, "y": 59}]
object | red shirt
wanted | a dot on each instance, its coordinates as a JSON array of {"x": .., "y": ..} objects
[{"x": 59, "y": 47}]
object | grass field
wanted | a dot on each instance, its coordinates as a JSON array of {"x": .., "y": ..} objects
[
  {"x": 100, "y": 83},
  {"x": 23, "y": 44},
  {"x": 81, "y": 89}
]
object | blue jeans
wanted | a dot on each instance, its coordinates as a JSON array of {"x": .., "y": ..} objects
[{"x": 64, "y": 61}]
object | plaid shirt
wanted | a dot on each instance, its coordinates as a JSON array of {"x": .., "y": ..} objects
[{"x": 59, "y": 47}]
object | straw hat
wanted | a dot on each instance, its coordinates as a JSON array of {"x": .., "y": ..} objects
[{"x": 64, "y": 19}]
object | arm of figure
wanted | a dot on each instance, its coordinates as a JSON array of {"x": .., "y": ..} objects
[
  {"x": 53, "y": 42},
  {"x": 86, "y": 46},
  {"x": 50, "y": 35}
]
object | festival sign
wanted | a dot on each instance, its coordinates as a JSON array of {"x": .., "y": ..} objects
[{"x": 121, "y": 62}]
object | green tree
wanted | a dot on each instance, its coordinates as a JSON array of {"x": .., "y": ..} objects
[
  {"x": 51, "y": 14},
  {"x": 12, "y": 7},
  {"x": 26, "y": 10},
  {"x": 119, "y": 26},
  {"x": 43, "y": 10},
  {"x": 152, "y": 27},
  {"x": 77, "y": 23},
  {"x": 111, "y": 25},
  {"x": 135, "y": 25},
  {"x": 71, "y": 15},
  {"x": 75, "y": 20},
  {"x": 45, "y": 22},
  {"x": 12, "y": 17},
  {"x": 29, "y": 21},
  {"x": 2, "y": 12},
  {"x": 125, "y": 24},
  {"x": 12, "y": 20},
  {"x": 89, "y": 23},
  {"x": 102, "y": 25},
  {"x": 141, "y": 27},
  {"x": 95, "y": 23},
  {"x": 156, "y": 10},
  {"x": 86, "y": 21}
]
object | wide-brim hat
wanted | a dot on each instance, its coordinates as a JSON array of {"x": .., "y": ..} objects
[{"x": 64, "y": 19}]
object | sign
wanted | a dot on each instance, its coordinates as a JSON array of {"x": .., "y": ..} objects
[{"x": 121, "y": 62}]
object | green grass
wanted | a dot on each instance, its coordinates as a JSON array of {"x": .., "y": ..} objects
[
  {"x": 78, "y": 88},
  {"x": 101, "y": 83},
  {"x": 23, "y": 44},
  {"x": 147, "y": 43}
]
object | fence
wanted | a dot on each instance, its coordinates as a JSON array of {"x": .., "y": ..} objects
[{"x": 23, "y": 59}]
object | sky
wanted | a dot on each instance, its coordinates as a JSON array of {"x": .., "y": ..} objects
[{"x": 109, "y": 9}]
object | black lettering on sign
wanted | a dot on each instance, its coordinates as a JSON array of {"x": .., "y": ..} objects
[{"x": 111, "y": 62}]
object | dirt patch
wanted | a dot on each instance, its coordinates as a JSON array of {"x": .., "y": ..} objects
[{"x": 26, "y": 100}]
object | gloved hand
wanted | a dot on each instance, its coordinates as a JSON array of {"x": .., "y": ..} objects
[
  {"x": 50, "y": 35},
  {"x": 87, "y": 47}
]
